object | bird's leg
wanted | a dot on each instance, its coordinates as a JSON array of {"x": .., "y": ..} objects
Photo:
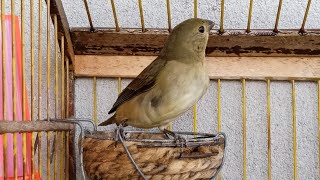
[{"x": 174, "y": 135}]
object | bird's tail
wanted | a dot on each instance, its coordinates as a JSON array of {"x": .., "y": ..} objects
[{"x": 111, "y": 120}]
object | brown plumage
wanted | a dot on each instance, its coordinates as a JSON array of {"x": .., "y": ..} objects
[{"x": 171, "y": 84}]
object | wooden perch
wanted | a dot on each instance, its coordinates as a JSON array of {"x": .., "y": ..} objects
[{"x": 33, "y": 126}]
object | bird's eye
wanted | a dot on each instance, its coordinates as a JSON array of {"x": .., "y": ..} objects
[{"x": 201, "y": 29}]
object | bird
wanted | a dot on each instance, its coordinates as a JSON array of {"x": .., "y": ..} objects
[{"x": 171, "y": 84}]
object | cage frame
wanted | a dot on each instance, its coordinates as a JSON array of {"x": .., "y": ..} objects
[{"x": 143, "y": 44}]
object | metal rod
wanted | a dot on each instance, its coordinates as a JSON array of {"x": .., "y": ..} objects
[
  {"x": 88, "y": 14},
  {"x": 48, "y": 59},
  {"x": 222, "y": 17},
  {"x": 141, "y": 15},
  {"x": 32, "y": 57},
  {"x": 55, "y": 161},
  {"x": 195, "y": 118},
  {"x": 67, "y": 154},
  {"x": 24, "y": 154},
  {"x": 294, "y": 129},
  {"x": 219, "y": 105},
  {"x": 40, "y": 153},
  {"x": 269, "y": 128},
  {"x": 39, "y": 58},
  {"x": 115, "y": 16},
  {"x": 195, "y": 8},
  {"x": 5, "y": 160},
  {"x": 249, "y": 16},
  {"x": 278, "y": 17},
  {"x": 119, "y": 85},
  {"x": 62, "y": 162},
  {"x": 302, "y": 30},
  {"x": 15, "y": 166},
  {"x": 169, "y": 16},
  {"x": 219, "y": 116},
  {"x": 48, "y": 156},
  {"x": 32, "y": 156},
  {"x": 244, "y": 116},
  {"x": 24, "y": 137},
  {"x": 95, "y": 100},
  {"x": 32, "y": 82},
  {"x": 4, "y": 98},
  {"x": 56, "y": 45},
  {"x": 319, "y": 126},
  {"x": 62, "y": 77},
  {"x": 68, "y": 96}
]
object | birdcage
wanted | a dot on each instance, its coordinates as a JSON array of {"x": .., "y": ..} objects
[{"x": 63, "y": 63}]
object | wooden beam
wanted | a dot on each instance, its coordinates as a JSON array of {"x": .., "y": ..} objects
[
  {"x": 56, "y": 7},
  {"x": 232, "y": 43},
  {"x": 33, "y": 126},
  {"x": 257, "y": 68}
]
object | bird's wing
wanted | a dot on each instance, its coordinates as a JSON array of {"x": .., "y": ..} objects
[{"x": 142, "y": 83}]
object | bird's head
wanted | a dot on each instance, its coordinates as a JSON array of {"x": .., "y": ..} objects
[{"x": 188, "y": 39}]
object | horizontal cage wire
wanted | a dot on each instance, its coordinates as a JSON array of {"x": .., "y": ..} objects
[{"x": 46, "y": 65}]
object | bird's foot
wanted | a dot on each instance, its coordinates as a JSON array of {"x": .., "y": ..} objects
[{"x": 176, "y": 137}]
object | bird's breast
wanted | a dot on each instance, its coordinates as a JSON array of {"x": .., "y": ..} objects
[{"x": 178, "y": 87}]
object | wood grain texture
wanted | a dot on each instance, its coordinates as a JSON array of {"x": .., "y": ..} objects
[
  {"x": 33, "y": 126},
  {"x": 257, "y": 68},
  {"x": 232, "y": 43},
  {"x": 56, "y": 7}
]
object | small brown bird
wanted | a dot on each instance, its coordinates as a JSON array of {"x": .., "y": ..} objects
[{"x": 171, "y": 84}]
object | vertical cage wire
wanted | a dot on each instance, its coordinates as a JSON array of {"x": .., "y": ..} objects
[
  {"x": 88, "y": 14},
  {"x": 68, "y": 87},
  {"x": 294, "y": 129},
  {"x": 48, "y": 60},
  {"x": 115, "y": 15},
  {"x": 62, "y": 154},
  {"x": 13, "y": 26},
  {"x": 119, "y": 85},
  {"x": 302, "y": 30},
  {"x": 95, "y": 100},
  {"x": 48, "y": 156},
  {"x": 48, "y": 87},
  {"x": 278, "y": 16},
  {"x": 195, "y": 118},
  {"x": 222, "y": 18},
  {"x": 249, "y": 16},
  {"x": 319, "y": 126},
  {"x": 24, "y": 137},
  {"x": 62, "y": 77},
  {"x": 56, "y": 85},
  {"x": 244, "y": 117},
  {"x": 55, "y": 160},
  {"x": 269, "y": 128},
  {"x": 219, "y": 115},
  {"x": 141, "y": 15},
  {"x": 62, "y": 109},
  {"x": 67, "y": 155},
  {"x": 4, "y": 98},
  {"x": 195, "y": 8},
  {"x": 32, "y": 82},
  {"x": 39, "y": 135},
  {"x": 169, "y": 16}
]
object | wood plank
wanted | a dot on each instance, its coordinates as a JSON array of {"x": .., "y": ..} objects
[
  {"x": 56, "y": 7},
  {"x": 33, "y": 126},
  {"x": 105, "y": 41},
  {"x": 258, "y": 68}
]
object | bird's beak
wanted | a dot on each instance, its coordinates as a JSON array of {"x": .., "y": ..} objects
[{"x": 210, "y": 24}]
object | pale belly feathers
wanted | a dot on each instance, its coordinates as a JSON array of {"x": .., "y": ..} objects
[{"x": 177, "y": 89}]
